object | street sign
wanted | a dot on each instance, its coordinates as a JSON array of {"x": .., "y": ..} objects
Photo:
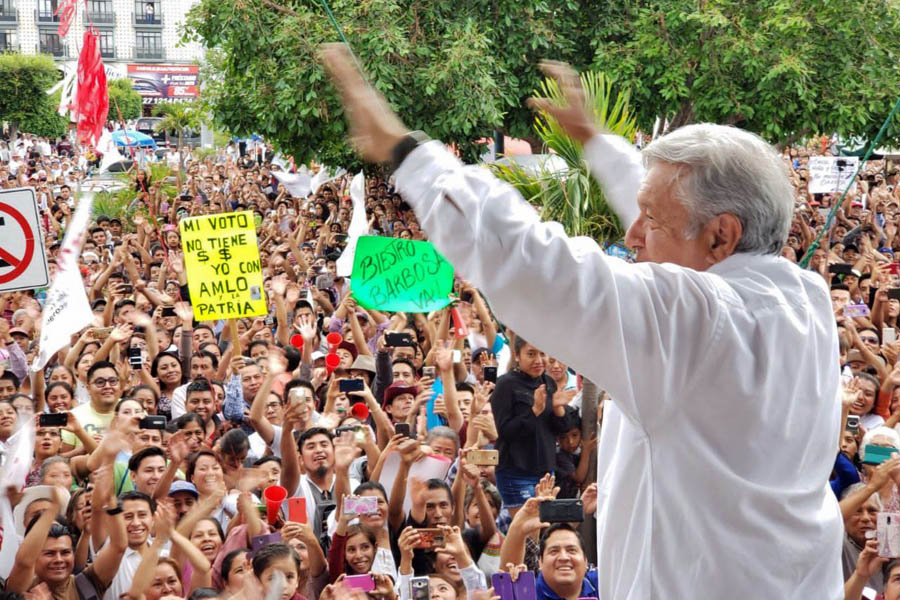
[{"x": 23, "y": 261}]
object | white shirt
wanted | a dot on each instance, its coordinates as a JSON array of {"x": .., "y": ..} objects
[
  {"x": 716, "y": 450},
  {"x": 121, "y": 583}
]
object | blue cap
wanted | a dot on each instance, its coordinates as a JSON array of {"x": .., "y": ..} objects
[{"x": 183, "y": 486}]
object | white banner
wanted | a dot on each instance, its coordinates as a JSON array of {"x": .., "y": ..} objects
[
  {"x": 831, "y": 174},
  {"x": 66, "y": 309},
  {"x": 358, "y": 225},
  {"x": 323, "y": 177}
]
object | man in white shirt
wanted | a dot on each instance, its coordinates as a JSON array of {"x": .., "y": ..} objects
[{"x": 721, "y": 365}]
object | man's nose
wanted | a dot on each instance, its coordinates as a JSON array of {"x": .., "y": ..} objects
[{"x": 634, "y": 237}]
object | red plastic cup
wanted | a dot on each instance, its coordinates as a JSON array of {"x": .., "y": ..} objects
[
  {"x": 334, "y": 340},
  {"x": 360, "y": 411},
  {"x": 274, "y": 495},
  {"x": 332, "y": 362},
  {"x": 297, "y": 341},
  {"x": 458, "y": 323}
]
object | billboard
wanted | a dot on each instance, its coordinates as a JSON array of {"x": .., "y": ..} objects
[{"x": 165, "y": 83}]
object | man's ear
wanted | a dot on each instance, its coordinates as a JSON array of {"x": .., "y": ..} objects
[{"x": 725, "y": 232}]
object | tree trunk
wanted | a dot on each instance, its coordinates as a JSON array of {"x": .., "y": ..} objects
[{"x": 590, "y": 399}]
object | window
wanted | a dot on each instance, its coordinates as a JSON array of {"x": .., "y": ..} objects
[
  {"x": 147, "y": 12},
  {"x": 101, "y": 11},
  {"x": 8, "y": 41},
  {"x": 46, "y": 10},
  {"x": 8, "y": 10},
  {"x": 148, "y": 45},
  {"x": 107, "y": 44},
  {"x": 51, "y": 44}
]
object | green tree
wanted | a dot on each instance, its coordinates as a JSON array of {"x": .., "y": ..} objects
[
  {"x": 24, "y": 81},
  {"x": 782, "y": 68},
  {"x": 44, "y": 120},
  {"x": 572, "y": 196},
  {"x": 458, "y": 70},
  {"x": 176, "y": 117},
  {"x": 121, "y": 93}
]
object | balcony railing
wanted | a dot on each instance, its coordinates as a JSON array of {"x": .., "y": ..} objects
[
  {"x": 149, "y": 53},
  {"x": 8, "y": 13},
  {"x": 8, "y": 46},
  {"x": 43, "y": 15},
  {"x": 54, "y": 50},
  {"x": 154, "y": 20},
  {"x": 110, "y": 53},
  {"x": 100, "y": 18}
]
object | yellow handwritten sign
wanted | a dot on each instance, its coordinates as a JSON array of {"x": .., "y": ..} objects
[{"x": 221, "y": 259}]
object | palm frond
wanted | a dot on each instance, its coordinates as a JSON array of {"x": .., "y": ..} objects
[{"x": 573, "y": 197}]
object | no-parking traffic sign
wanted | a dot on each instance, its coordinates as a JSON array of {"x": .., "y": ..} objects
[{"x": 23, "y": 262}]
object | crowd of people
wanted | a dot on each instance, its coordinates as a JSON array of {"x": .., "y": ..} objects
[{"x": 418, "y": 468}]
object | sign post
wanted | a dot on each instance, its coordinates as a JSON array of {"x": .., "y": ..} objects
[
  {"x": 394, "y": 274},
  {"x": 221, "y": 260},
  {"x": 23, "y": 262}
]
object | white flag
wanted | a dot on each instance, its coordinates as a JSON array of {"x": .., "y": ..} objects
[
  {"x": 297, "y": 184},
  {"x": 323, "y": 177},
  {"x": 16, "y": 465},
  {"x": 358, "y": 225},
  {"x": 66, "y": 309}
]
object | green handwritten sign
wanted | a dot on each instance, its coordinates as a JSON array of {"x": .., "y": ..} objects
[{"x": 394, "y": 274}]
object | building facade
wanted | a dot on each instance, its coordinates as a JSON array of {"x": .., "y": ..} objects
[{"x": 138, "y": 39}]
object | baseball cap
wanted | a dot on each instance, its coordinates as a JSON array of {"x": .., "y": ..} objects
[
  {"x": 398, "y": 388},
  {"x": 18, "y": 330},
  {"x": 183, "y": 486}
]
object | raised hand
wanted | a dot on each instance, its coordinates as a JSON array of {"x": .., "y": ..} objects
[
  {"x": 374, "y": 128},
  {"x": 540, "y": 400},
  {"x": 574, "y": 115}
]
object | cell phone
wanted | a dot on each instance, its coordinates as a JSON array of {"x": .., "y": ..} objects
[
  {"x": 394, "y": 339},
  {"x": 152, "y": 422},
  {"x": 363, "y": 583},
  {"x": 887, "y": 527},
  {"x": 297, "y": 509},
  {"x": 135, "y": 357},
  {"x": 523, "y": 586},
  {"x": 169, "y": 311},
  {"x": 340, "y": 238},
  {"x": 894, "y": 293},
  {"x": 852, "y": 423},
  {"x": 490, "y": 373},
  {"x": 419, "y": 588},
  {"x": 856, "y": 311},
  {"x": 323, "y": 282},
  {"x": 888, "y": 335},
  {"x": 466, "y": 297},
  {"x": 483, "y": 458},
  {"x": 875, "y": 455},
  {"x": 53, "y": 419},
  {"x": 126, "y": 288},
  {"x": 139, "y": 329},
  {"x": 503, "y": 586},
  {"x": 457, "y": 357},
  {"x": 351, "y": 385},
  {"x": 565, "y": 510},
  {"x": 361, "y": 505},
  {"x": 429, "y": 539},
  {"x": 840, "y": 269},
  {"x": 261, "y": 541},
  {"x": 402, "y": 429},
  {"x": 101, "y": 333},
  {"x": 428, "y": 372}
]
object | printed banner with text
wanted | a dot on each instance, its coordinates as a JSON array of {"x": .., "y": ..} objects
[
  {"x": 400, "y": 275},
  {"x": 221, "y": 258}
]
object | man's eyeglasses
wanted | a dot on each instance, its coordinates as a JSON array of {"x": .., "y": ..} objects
[{"x": 111, "y": 382}]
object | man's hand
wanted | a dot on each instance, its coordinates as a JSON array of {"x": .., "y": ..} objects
[
  {"x": 574, "y": 116},
  {"x": 869, "y": 563},
  {"x": 374, "y": 128}
]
